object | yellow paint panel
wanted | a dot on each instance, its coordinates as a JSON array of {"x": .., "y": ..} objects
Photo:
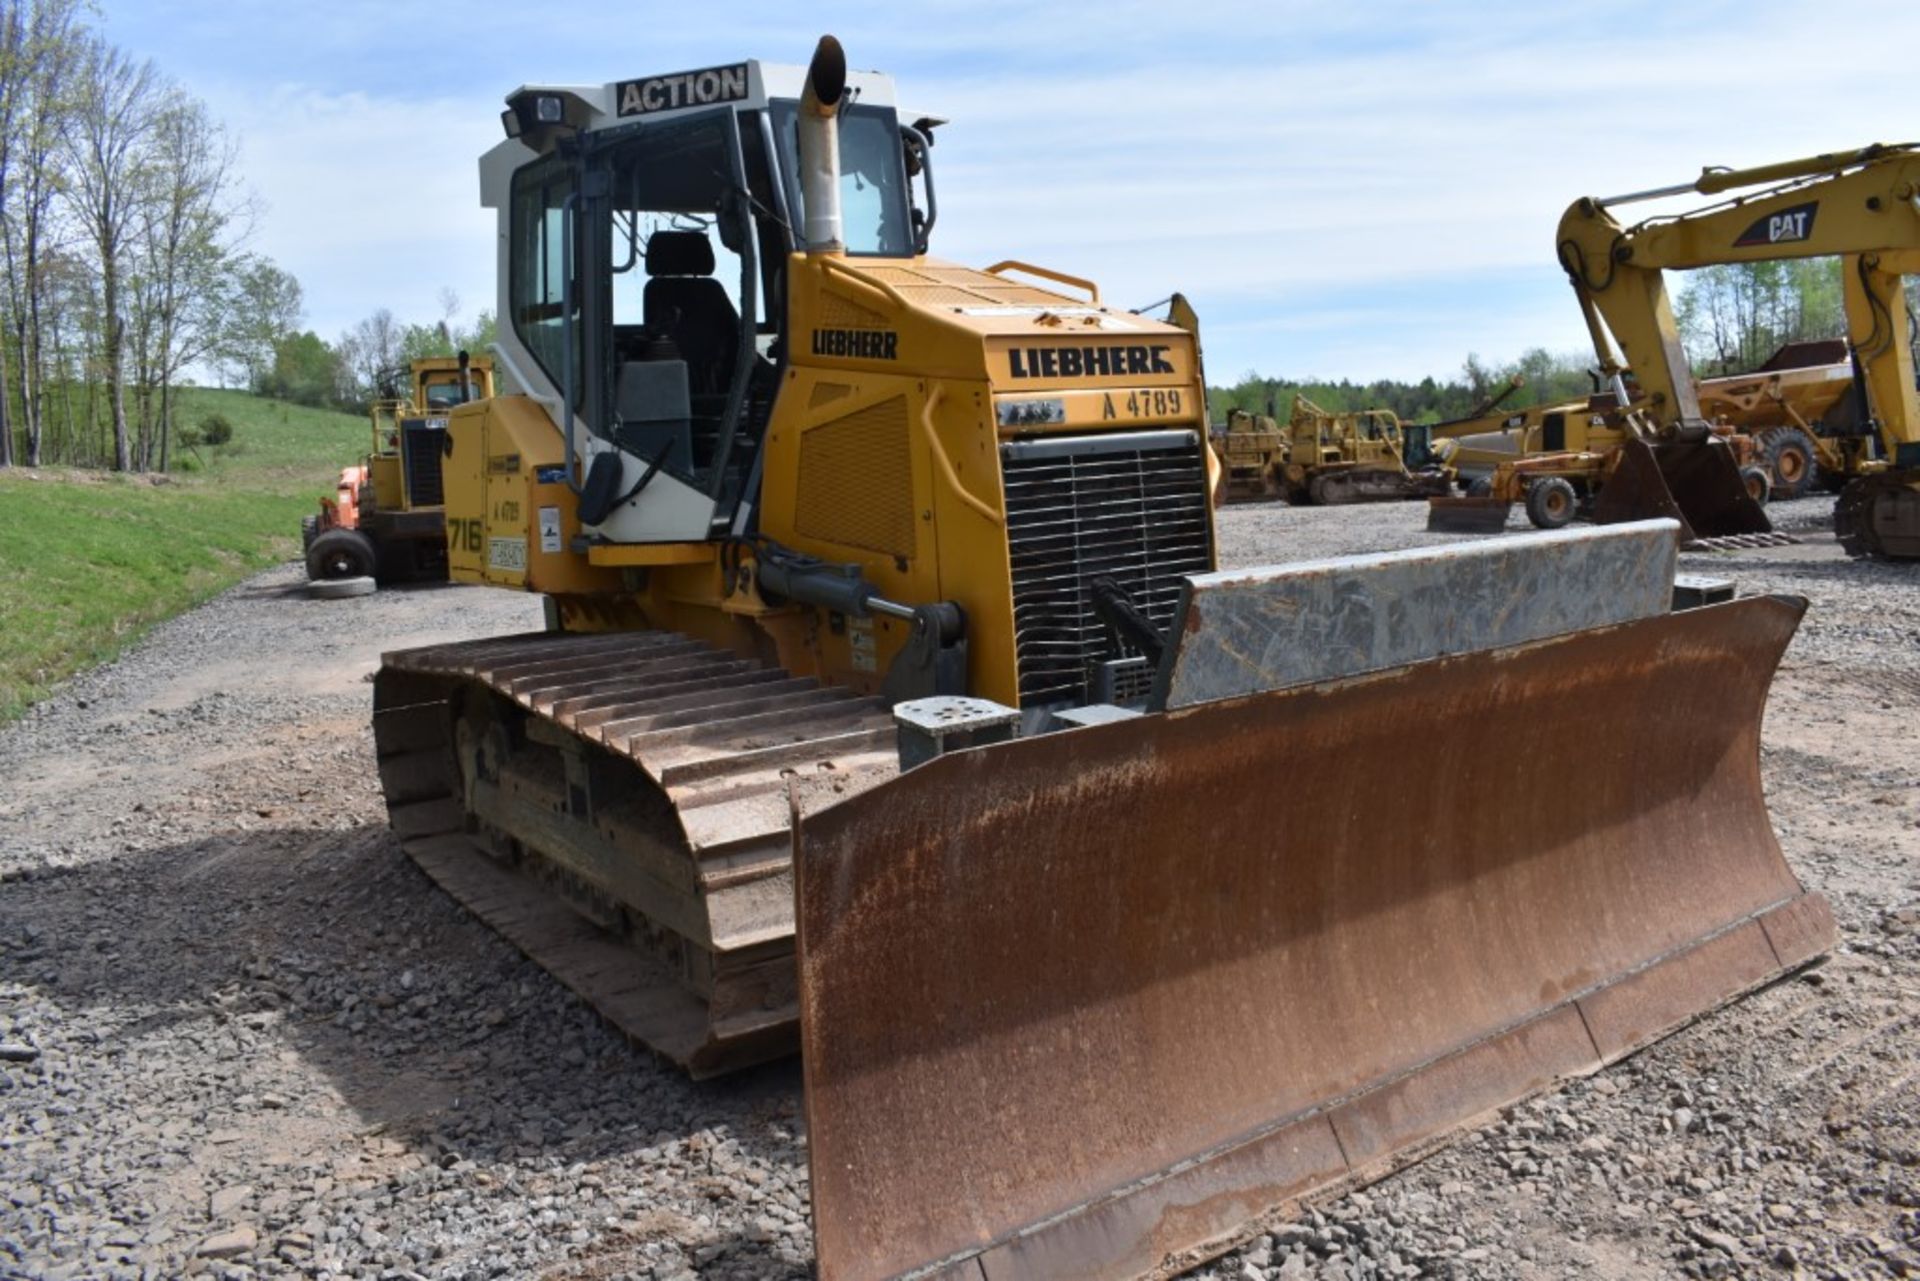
[{"x": 652, "y": 554}]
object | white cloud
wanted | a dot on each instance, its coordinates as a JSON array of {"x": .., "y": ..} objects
[
  {"x": 1351, "y": 189},
  {"x": 371, "y": 201}
]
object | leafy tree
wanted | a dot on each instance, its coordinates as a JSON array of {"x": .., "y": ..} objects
[
  {"x": 1732, "y": 316},
  {"x": 305, "y": 370},
  {"x": 264, "y": 306}
]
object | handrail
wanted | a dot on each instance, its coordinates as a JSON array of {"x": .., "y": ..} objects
[
  {"x": 519, "y": 376},
  {"x": 1058, "y": 277},
  {"x": 833, "y": 264},
  {"x": 945, "y": 463}
]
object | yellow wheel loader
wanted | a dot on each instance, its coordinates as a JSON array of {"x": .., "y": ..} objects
[
  {"x": 891, "y": 707},
  {"x": 387, "y": 518},
  {"x": 1857, "y": 204}
]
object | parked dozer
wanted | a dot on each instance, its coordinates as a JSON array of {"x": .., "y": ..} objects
[
  {"x": 1326, "y": 459},
  {"x": 892, "y": 707},
  {"x": 1365, "y": 456},
  {"x": 387, "y": 520},
  {"x": 1253, "y": 452}
]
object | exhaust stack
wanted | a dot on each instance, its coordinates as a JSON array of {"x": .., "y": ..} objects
[{"x": 820, "y": 147}]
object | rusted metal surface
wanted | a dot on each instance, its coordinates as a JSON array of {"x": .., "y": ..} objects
[
  {"x": 1696, "y": 484},
  {"x": 1075, "y": 1005},
  {"x": 1247, "y": 631},
  {"x": 646, "y": 774}
]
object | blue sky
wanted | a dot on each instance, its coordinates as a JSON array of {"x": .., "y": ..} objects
[{"x": 1344, "y": 189}]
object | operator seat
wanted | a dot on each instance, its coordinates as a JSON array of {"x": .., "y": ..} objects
[{"x": 685, "y": 303}]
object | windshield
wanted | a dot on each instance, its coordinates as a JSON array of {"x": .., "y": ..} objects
[
  {"x": 873, "y": 178},
  {"x": 444, "y": 395}
]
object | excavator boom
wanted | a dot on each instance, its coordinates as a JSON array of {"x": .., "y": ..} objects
[{"x": 1861, "y": 205}]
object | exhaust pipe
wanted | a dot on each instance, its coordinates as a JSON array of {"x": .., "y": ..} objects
[{"x": 820, "y": 147}]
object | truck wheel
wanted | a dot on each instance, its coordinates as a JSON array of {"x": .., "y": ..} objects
[
  {"x": 1551, "y": 502},
  {"x": 1758, "y": 482},
  {"x": 1480, "y": 487},
  {"x": 1790, "y": 459},
  {"x": 309, "y": 530},
  {"x": 341, "y": 553},
  {"x": 339, "y": 588}
]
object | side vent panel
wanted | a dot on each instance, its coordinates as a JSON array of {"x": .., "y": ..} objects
[
  {"x": 842, "y": 312},
  {"x": 856, "y": 480}
]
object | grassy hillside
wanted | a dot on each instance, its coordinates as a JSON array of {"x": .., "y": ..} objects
[{"x": 89, "y": 560}]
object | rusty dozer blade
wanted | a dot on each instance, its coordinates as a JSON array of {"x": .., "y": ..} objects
[
  {"x": 1695, "y": 483},
  {"x": 1467, "y": 515},
  {"x": 1089, "y": 1004}
]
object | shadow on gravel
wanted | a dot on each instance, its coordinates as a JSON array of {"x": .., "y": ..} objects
[
  {"x": 297, "y": 590},
  {"x": 432, "y": 1031}
]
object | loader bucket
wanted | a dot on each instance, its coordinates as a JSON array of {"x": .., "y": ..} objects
[
  {"x": 1091, "y": 1003},
  {"x": 1697, "y": 484}
]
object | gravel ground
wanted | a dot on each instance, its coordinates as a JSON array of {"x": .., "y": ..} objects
[{"x": 240, "y": 1036}]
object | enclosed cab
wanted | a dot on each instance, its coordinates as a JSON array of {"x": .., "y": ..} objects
[{"x": 759, "y": 362}]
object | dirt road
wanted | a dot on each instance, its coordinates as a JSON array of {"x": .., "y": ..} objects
[{"x": 240, "y": 1036}]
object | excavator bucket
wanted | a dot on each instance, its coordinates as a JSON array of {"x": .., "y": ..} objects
[
  {"x": 1089, "y": 1004},
  {"x": 1696, "y": 483}
]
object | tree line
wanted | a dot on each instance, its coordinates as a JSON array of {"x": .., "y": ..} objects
[
  {"x": 124, "y": 266},
  {"x": 1731, "y": 317},
  {"x": 121, "y": 217},
  {"x": 367, "y": 362}
]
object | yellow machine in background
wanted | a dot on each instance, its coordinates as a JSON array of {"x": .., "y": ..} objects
[
  {"x": 1329, "y": 459},
  {"x": 890, "y": 707},
  {"x": 1857, "y": 204},
  {"x": 1367, "y": 455},
  {"x": 1555, "y": 459},
  {"x": 387, "y": 519},
  {"x": 1797, "y": 407},
  {"x": 1253, "y": 451}
]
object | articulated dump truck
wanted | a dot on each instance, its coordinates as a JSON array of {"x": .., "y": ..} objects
[{"x": 892, "y": 708}]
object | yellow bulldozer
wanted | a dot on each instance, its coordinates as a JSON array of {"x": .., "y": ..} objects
[
  {"x": 1253, "y": 454},
  {"x": 1365, "y": 456},
  {"x": 1329, "y": 459},
  {"x": 891, "y": 707}
]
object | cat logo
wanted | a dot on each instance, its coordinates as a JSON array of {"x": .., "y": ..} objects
[{"x": 1783, "y": 228}]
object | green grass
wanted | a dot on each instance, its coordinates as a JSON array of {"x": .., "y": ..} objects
[{"x": 90, "y": 560}]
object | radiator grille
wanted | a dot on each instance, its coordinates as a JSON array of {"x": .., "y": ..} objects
[
  {"x": 856, "y": 480},
  {"x": 1132, "y": 507},
  {"x": 422, "y": 438}
]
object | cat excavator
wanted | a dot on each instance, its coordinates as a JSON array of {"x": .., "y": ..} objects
[
  {"x": 1863, "y": 205},
  {"x": 891, "y": 706}
]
